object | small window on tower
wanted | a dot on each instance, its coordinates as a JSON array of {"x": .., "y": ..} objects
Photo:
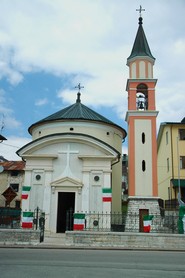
[
  {"x": 143, "y": 137},
  {"x": 143, "y": 165}
]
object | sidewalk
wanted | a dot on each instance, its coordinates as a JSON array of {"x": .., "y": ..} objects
[
  {"x": 104, "y": 241},
  {"x": 53, "y": 240}
]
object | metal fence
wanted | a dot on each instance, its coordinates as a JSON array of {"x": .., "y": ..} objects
[
  {"x": 10, "y": 218},
  {"x": 171, "y": 204},
  {"x": 168, "y": 222}
]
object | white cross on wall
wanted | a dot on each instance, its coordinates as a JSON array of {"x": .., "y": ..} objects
[{"x": 68, "y": 152}]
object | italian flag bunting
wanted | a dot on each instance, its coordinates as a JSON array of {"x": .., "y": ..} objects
[
  {"x": 27, "y": 219},
  {"x": 79, "y": 221},
  {"x": 106, "y": 194},
  {"x": 25, "y": 192},
  {"x": 147, "y": 220}
]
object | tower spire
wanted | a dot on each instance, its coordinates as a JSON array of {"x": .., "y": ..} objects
[{"x": 140, "y": 47}]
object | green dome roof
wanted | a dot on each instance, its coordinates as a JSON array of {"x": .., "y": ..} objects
[{"x": 76, "y": 111}]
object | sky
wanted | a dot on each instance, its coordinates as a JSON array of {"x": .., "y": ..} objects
[{"x": 47, "y": 47}]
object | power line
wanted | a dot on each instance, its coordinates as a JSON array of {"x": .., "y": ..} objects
[{"x": 10, "y": 145}]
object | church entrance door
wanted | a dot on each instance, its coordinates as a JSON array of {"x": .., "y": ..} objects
[
  {"x": 66, "y": 202},
  {"x": 142, "y": 213}
]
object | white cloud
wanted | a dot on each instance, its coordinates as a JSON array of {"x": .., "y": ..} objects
[
  {"x": 170, "y": 103},
  {"x": 179, "y": 47},
  {"x": 9, "y": 120},
  {"x": 11, "y": 145},
  {"x": 41, "y": 102}
]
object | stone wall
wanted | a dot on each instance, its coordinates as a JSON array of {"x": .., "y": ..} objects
[
  {"x": 136, "y": 204},
  {"x": 126, "y": 240},
  {"x": 18, "y": 236}
]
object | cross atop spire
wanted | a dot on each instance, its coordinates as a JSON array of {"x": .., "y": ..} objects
[
  {"x": 79, "y": 87},
  {"x": 140, "y": 47},
  {"x": 140, "y": 10}
]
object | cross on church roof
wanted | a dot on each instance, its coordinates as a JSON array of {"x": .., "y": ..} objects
[
  {"x": 79, "y": 87},
  {"x": 140, "y": 10}
]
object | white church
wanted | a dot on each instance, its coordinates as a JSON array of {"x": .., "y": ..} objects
[{"x": 74, "y": 161}]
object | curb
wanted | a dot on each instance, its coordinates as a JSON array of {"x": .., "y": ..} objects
[{"x": 72, "y": 247}]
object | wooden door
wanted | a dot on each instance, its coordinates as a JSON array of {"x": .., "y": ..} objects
[{"x": 142, "y": 213}]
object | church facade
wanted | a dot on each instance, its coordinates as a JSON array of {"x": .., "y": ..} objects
[{"x": 73, "y": 163}]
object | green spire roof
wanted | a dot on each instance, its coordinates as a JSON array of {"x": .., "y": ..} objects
[
  {"x": 76, "y": 111},
  {"x": 140, "y": 47}
]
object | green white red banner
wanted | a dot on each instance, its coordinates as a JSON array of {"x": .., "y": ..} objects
[
  {"x": 107, "y": 194},
  {"x": 79, "y": 221},
  {"x": 27, "y": 219},
  {"x": 25, "y": 192},
  {"x": 147, "y": 221}
]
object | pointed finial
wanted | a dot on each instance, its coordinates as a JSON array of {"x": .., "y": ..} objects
[
  {"x": 140, "y": 15},
  {"x": 79, "y": 87}
]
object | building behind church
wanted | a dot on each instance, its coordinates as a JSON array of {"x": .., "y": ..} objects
[
  {"x": 11, "y": 182},
  {"x": 171, "y": 163}
]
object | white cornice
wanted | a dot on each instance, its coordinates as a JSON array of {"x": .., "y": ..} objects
[
  {"x": 96, "y": 157},
  {"x": 40, "y": 156},
  {"x": 140, "y": 80},
  {"x": 136, "y": 113}
]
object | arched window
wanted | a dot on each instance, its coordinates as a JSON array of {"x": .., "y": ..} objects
[{"x": 142, "y": 97}]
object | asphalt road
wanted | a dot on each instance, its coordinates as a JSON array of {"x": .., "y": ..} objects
[{"x": 55, "y": 263}]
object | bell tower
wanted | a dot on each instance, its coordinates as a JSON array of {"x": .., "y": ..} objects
[{"x": 141, "y": 118}]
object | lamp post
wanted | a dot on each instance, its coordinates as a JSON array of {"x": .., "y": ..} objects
[
  {"x": 2, "y": 138},
  {"x": 179, "y": 189}
]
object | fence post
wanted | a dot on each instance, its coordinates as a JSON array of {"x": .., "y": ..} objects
[{"x": 42, "y": 226}]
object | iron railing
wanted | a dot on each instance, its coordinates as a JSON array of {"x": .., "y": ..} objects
[
  {"x": 10, "y": 218},
  {"x": 168, "y": 222},
  {"x": 171, "y": 204}
]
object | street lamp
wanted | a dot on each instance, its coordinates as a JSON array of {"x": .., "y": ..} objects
[{"x": 2, "y": 138}]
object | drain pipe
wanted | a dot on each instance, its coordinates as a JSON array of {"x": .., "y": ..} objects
[{"x": 117, "y": 161}]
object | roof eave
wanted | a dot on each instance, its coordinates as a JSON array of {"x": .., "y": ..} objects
[
  {"x": 123, "y": 131},
  {"x": 131, "y": 59}
]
